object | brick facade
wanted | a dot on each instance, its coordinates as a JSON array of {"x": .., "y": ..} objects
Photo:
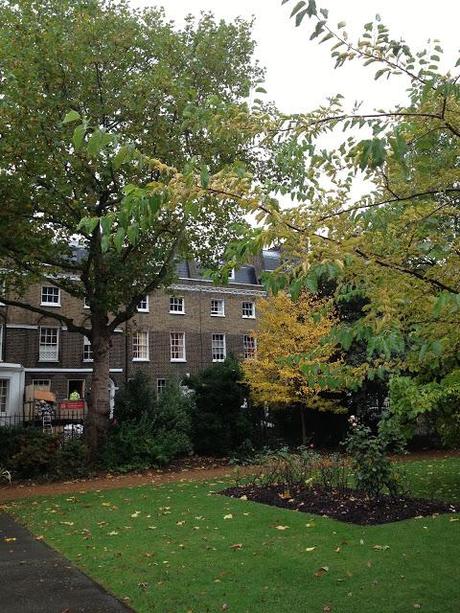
[{"x": 20, "y": 332}]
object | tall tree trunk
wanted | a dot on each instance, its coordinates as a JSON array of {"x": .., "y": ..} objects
[{"x": 99, "y": 404}]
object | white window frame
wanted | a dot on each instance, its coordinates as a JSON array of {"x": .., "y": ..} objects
[
  {"x": 4, "y": 395},
  {"x": 253, "y": 309},
  {"x": 86, "y": 351},
  {"x": 145, "y": 345},
  {"x": 83, "y": 390},
  {"x": 161, "y": 386},
  {"x": 40, "y": 345},
  {"x": 177, "y": 345},
  {"x": 143, "y": 309},
  {"x": 45, "y": 302},
  {"x": 176, "y": 301},
  {"x": 221, "y": 348},
  {"x": 42, "y": 384},
  {"x": 218, "y": 312},
  {"x": 231, "y": 275},
  {"x": 249, "y": 346}
]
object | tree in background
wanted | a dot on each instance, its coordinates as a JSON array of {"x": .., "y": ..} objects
[
  {"x": 109, "y": 143},
  {"x": 397, "y": 246},
  {"x": 220, "y": 420},
  {"x": 294, "y": 361}
]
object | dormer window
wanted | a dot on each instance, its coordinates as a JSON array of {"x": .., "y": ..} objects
[{"x": 51, "y": 296}]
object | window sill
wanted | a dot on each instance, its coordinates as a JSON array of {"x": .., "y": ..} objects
[
  {"x": 141, "y": 359},
  {"x": 88, "y": 361},
  {"x": 143, "y": 311},
  {"x": 248, "y": 316},
  {"x": 217, "y": 315},
  {"x": 48, "y": 361},
  {"x": 50, "y": 304},
  {"x": 219, "y": 360},
  {"x": 177, "y": 312},
  {"x": 178, "y": 360}
]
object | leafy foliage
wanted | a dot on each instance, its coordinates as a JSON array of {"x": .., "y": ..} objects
[
  {"x": 297, "y": 369},
  {"x": 136, "y": 399},
  {"x": 149, "y": 431},
  {"x": 374, "y": 473},
  {"x": 220, "y": 422}
]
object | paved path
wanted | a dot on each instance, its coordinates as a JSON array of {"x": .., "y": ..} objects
[
  {"x": 152, "y": 477},
  {"x": 36, "y": 579}
]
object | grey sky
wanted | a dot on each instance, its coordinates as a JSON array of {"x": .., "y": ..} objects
[{"x": 299, "y": 72}]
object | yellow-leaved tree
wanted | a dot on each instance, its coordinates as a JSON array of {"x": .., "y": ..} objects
[{"x": 292, "y": 349}]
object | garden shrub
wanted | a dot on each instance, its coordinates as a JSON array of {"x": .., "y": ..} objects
[
  {"x": 136, "y": 399},
  {"x": 151, "y": 437},
  {"x": 373, "y": 471},
  {"x": 35, "y": 455},
  {"x": 220, "y": 424},
  {"x": 71, "y": 459}
]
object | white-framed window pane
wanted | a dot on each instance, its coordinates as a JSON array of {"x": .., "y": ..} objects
[
  {"x": 4, "y": 383},
  {"x": 50, "y": 295},
  {"x": 218, "y": 308},
  {"x": 161, "y": 386},
  {"x": 87, "y": 350},
  {"x": 249, "y": 346},
  {"x": 143, "y": 304},
  {"x": 218, "y": 348},
  {"x": 231, "y": 274},
  {"x": 141, "y": 345},
  {"x": 249, "y": 310},
  {"x": 42, "y": 384},
  {"x": 176, "y": 305},
  {"x": 49, "y": 345},
  {"x": 177, "y": 343}
]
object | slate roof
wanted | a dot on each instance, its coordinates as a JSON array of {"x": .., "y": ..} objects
[{"x": 247, "y": 274}]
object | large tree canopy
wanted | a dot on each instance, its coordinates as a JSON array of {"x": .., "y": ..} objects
[
  {"x": 107, "y": 142},
  {"x": 397, "y": 246}
]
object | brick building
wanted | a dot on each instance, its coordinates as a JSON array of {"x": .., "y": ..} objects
[{"x": 174, "y": 333}]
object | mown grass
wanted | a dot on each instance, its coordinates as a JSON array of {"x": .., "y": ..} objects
[{"x": 181, "y": 547}]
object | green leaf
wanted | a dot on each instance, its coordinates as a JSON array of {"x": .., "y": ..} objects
[
  {"x": 297, "y": 7},
  {"x": 118, "y": 239},
  {"x": 95, "y": 143},
  {"x": 204, "y": 177},
  {"x": 88, "y": 224},
  {"x": 299, "y": 17},
  {"x": 78, "y": 136},
  {"x": 123, "y": 155},
  {"x": 341, "y": 24},
  {"x": 71, "y": 116},
  {"x": 133, "y": 233}
]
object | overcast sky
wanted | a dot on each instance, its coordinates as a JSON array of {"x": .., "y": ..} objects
[{"x": 300, "y": 73}]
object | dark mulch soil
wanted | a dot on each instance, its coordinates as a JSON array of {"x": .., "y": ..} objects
[{"x": 345, "y": 505}]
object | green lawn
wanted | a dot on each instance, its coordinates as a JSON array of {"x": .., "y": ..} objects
[{"x": 182, "y": 548}]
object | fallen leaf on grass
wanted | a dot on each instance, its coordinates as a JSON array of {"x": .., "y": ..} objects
[
  {"x": 244, "y": 497},
  {"x": 322, "y": 571},
  {"x": 281, "y": 527},
  {"x": 136, "y": 514},
  {"x": 113, "y": 533},
  {"x": 229, "y": 516},
  {"x": 454, "y": 519},
  {"x": 310, "y": 548},
  {"x": 381, "y": 547},
  {"x": 236, "y": 546}
]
